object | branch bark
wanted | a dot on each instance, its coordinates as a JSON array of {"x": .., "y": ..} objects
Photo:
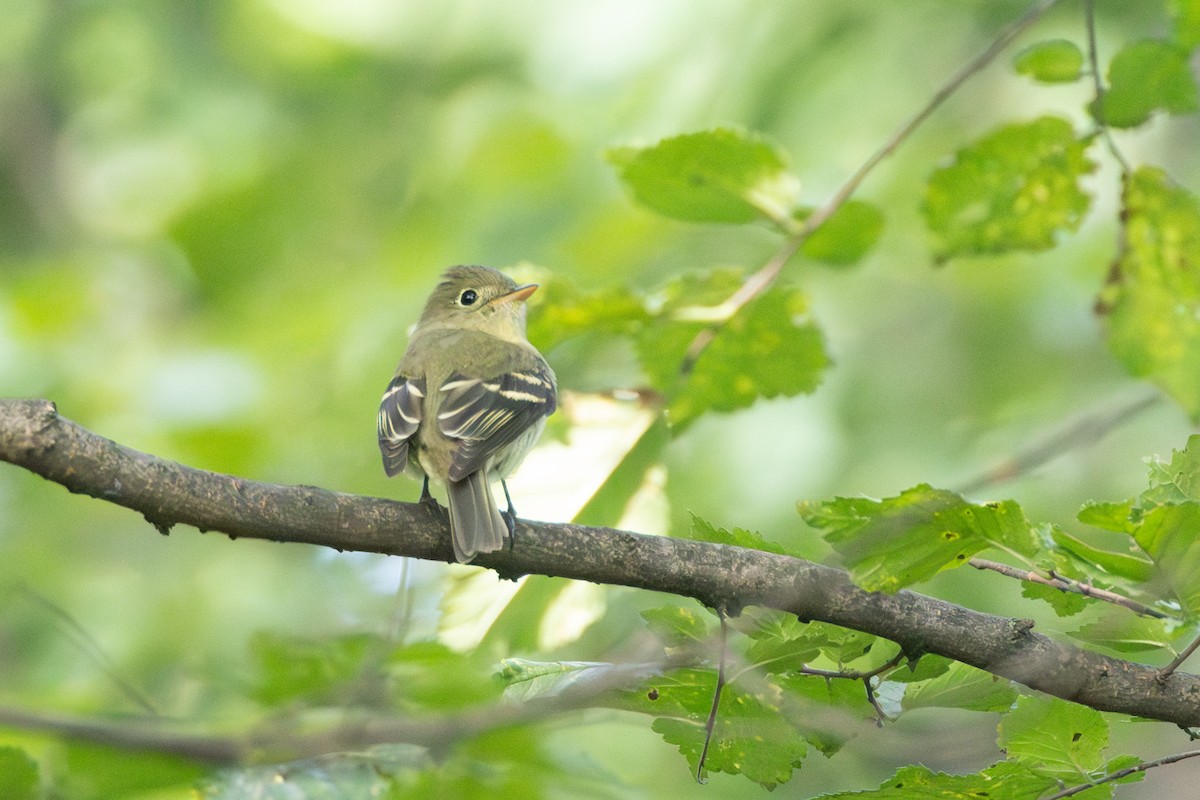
[{"x": 34, "y": 436}]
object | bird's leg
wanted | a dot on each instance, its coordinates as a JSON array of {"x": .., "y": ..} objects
[
  {"x": 509, "y": 516},
  {"x": 427, "y": 498}
]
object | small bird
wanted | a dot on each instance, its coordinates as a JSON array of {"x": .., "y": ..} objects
[{"x": 468, "y": 402}]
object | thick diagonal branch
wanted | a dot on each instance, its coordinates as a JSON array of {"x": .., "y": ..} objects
[{"x": 34, "y": 436}]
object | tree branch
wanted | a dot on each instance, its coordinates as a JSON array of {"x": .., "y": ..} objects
[{"x": 34, "y": 436}]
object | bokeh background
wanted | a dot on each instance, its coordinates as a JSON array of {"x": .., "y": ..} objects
[{"x": 219, "y": 219}]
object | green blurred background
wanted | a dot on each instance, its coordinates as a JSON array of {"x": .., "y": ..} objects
[{"x": 218, "y": 220}]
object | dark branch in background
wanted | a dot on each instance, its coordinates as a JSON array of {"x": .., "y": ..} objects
[
  {"x": 765, "y": 277},
  {"x": 1085, "y": 430},
  {"x": 34, "y": 436}
]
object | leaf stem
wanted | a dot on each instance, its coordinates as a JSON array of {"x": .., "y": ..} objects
[
  {"x": 1064, "y": 584},
  {"x": 762, "y": 280}
]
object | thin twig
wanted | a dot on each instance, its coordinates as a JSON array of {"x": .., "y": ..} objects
[
  {"x": 712, "y": 713},
  {"x": 1124, "y": 773},
  {"x": 1093, "y": 60},
  {"x": 92, "y": 648},
  {"x": 1064, "y": 584},
  {"x": 761, "y": 280},
  {"x": 1166, "y": 671},
  {"x": 1087, "y": 429},
  {"x": 854, "y": 674}
]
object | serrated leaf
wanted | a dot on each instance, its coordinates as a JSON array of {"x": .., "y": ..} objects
[
  {"x": 1015, "y": 189},
  {"x": 720, "y": 175},
  {"x": 18, "y": 775},
  {"x": 1144, "y": 77},
  {"x": 765, "y": 750},
  {"x": 1122, "y": 631},
  {"x": 893, "y": 543},
  {"x": 1153, "y": 295},
  {"x": 1054, "y": 737},
  {"x": 767, "y": 350},
  {"x": 1110, "y": 516},
  {"x": 809, "y": 693},
  {"x": 781, "y": 642},
  {"x": 926, "y": 667},
  {"x": 1054, "y": 61},
  {"x": 703, "y": 531},
  {"x": 846, "y": 236},
  {"x": 678, "y": 626},
  {"x": 961, "y": 686},
  {"x": 1003, "y": 781},
  {"x": 1065, "y": 604},
  {"x": 565, "y": 312},
  {"x": 1175, "y": 481}
]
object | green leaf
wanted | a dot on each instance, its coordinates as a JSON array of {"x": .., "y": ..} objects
[
  {"x": 1054, "y": 737},
  {"x": 1177, "y": 481},
  {"x": 961, "y": 686},
  {"x": 1168, "y": 535},
  {"x": 292, "y": 668},
  {"x": 720, "y": 175},
  {"x": 432, "y": 675},
  {"x": 526, "y": 680},
  {"x": 1054, "y": 61},
  {"x": 678, "y": 626},
  {"x": 703, "y": 531},
  {"x": 781, "y": 642},
  {"x": 1186, "y": 16},
  {"x": 767, "y": 350},
  {"x": 893, "y": 543},
  {"x": 1145, "y": 77},
  {"x": 1153, "y": 296},
  {"x": 847, "y": 236},
  {"x": 1015, "y": 189},
  {"x": 1122, "y": 631},
  {"x": 1003, "y": 781},
  {"x": 1111, "y": 516},
  {"x": 18, "y": 775},
  {"x": 765, "y": 750},
  {"x": 565, "y": 312}
]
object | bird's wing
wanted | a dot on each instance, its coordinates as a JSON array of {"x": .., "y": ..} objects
[
  {"x": 485, "y": 414},
  {"x": 399, "y": 416}
]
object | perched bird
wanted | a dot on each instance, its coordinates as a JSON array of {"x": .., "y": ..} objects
[{"x": 469, "y": 399}]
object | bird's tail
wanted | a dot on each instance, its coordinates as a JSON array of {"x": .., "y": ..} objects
[{"x": 475, "y": 522}]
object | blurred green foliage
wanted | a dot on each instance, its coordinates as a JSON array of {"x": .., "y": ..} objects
[{"x": 218, "y": 220}]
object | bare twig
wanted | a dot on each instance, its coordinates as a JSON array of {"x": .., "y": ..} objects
[
  {"x": 852, "y": 674},
  {"x": 33, "y": 435},
  {"x": 716, "y": 701},
  {"x": 1098, "y": 83},
  {"x": 1085, "y": 430},
  {"x": 1065, "y": 584},
  {"x": 761, "y": 280},
  {"x": 1166, "y": 671},
  {"x": 1124, "y": 773}
]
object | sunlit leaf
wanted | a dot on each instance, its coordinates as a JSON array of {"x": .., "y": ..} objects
[
  {"x": 846, "y": 236},
  {"x": 961, "y": 686},
  {"x": 1168, "y": 535},
  {"x": 1153, "y": 296},
  {"x": 1186, "y": 15},
  {"x": 1054, "y": 737},
  {"x": 893, "y": 543},
  {"x": 1015, "y": 189},
  {"x": 1055, "y": 61},
  {"x": 1145, "y": 77},
  {"x": 721, "y": 175},
  {"x": 769, "y": 349},
  {"x": 1174, "y": 481}
]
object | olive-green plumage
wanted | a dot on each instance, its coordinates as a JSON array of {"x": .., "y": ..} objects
[{"x": 469, "y": 400}]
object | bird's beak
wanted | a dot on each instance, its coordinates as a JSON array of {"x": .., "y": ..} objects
[{"x": 516, "y": 295}]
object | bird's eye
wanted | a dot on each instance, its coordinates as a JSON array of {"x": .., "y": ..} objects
[{"x": 468, "y": 297}]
